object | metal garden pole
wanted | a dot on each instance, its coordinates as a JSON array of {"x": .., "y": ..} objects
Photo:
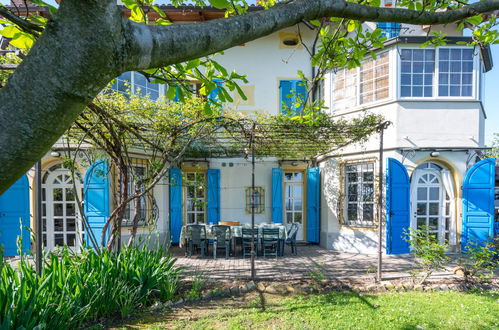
[
  {"x": 38, "y": 214},
  {"x": 382, "y": 128},
  {"x": 253, "y": 270}
]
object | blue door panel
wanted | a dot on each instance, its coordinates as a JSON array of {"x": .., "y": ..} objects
[
  {"x": 213, "y": 176},
  {"x": 277, "y": 195},
  {"x": 478, "y": 202},
  {"x": 397, "y": 207},
  {"x": 14, "y": 209},
  {"x": 96, "y": 197},
  {"x": 313, "y": 204},
  {"x": 175, "y": 204}
]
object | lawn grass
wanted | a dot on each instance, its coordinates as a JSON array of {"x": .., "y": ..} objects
[{"x": 336, "y": 310}]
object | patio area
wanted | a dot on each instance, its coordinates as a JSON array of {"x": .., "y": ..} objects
[{"x": 310, "y": 258}]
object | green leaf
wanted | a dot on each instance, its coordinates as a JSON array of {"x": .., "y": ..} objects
[
  {"x": 351, "y": 26},
  {"x": 172, "y": 91},
  {"x": 10, "y": 31},
  {"x": 315, "y": 22},
  {"x": 220, "y": 4},
  {"x": 475, "y": 20}
]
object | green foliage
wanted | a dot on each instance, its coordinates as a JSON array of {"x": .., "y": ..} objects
[
  {"x": 80, "y": 288},
  {"x": 197, "y": 285},
  {"x": 430, "y": 254},
  {"x": 481, "y": 259}
]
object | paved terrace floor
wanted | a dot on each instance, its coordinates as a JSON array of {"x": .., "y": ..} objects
[{"x": 296, "y": 267}]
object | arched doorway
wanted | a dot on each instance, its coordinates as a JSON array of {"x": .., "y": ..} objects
[
  {"x": 432, "y": 201},
  {"x": 61, "y": 221}
]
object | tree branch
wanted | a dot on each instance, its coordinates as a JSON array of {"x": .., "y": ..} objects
[{"x": 156, "y": 46}]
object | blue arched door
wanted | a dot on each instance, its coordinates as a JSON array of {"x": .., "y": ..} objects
[
  {"x": 14, "y": 209},
  {"x": 397, "y": 207}
]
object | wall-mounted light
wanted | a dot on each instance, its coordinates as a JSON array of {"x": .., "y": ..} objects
[
  {"x": 434, "y": 154},
  {"x": 55, "y": 154}
]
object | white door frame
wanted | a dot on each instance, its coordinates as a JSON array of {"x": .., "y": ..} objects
[
  {"x": 441, "y": 200},
  {"x": 58, "y": 179}
]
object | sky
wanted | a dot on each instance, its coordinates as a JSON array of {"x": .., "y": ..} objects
[{"x": 491, "y": 97}]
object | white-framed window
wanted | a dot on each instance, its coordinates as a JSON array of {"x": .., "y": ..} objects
[
  {"x": 293, "y": 197},
  {"x": 455, "y": 72},
  {"x": 358, "y": 86},
  {"x": 374, "y": 79},
  {"x": 195, "y": 197},
  {"x": 137, "y": 84},
  {"x": 359, "y": 194},
  {"x": 442, "y": 72},
  {"x": 136, "y": 175},
  {"x": 417, "y": 67}
]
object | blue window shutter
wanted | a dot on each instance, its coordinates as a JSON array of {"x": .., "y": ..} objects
[
  {"x": 213, "y": 176},
  {"x": 313, "y": 204},
  {"x": 14, "y": 205},
  {"x": 214, "y": 94},
  {"x": 389, "y": 29},
  {"x": 478, "y": 202},
  {"x": 286, "y": 101},
  {"x": 277, "y": 195},
  {"x": 301, "y": 93},
  {"x": 397, "y": 207},
  {"x": 96, "y": 197},
  {"x": 175, "y": 204}
]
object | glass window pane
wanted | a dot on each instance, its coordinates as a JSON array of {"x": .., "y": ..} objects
[
  {"x": 466, "y": 91},
  {"x": 70, "y": 196},
  {"x": 200, "y": 218},
  {"x": 71, "y": 239},
  {"x": 298, "y": 176},
  {"x": 298, "y": 217},
  {"x": 418, "y": 54},
  {"x": 288, "y": 176},
  {"x": 444, "y": 54},
  {"x": 455, "y": 90},
  {"x": 57, "y": 194},
  {"x": 434, "y": 194},
  {"x": 467, "y": 66},
  {"x": 422, "y": 193},
  {"x": 406, "y": 79},
  {"x": 455, "y": 78},
  {"x": 417, "y": 79},
  {"x": 455, "y": 66},
  {"x": 368, "y": 212},
  {"x": 352, "y": 212},
  {"x": 417, "y": 67},
  {"x": 59, "y": 239},
  {"x": 298, "y": 205},
  {"x": 406, "y": 67},
  {"x": 455, "y": 54},
  {"x": 352, "y": 177},
  {"x": 443, "y": 67},
  {"x": 421, "y": 209},
  {"x": 368, "y": 192},
  {"x": 298, "y": 192},
  {"x": 443, "y": 90},
  {"x": 434, "y": 208},
  {"x": 428, "y": 91},
  {"x": 70, "y": 209},
  {"x": 58, "y": 210},
  {"x": 405, "y": 91},
  {"x": 71, "y": 224},
  {"x": 417, "y": 91},
  {"x": 368, "y": 176},
  {"x": 421, "y": 222},
  {"x": 433, "y": 223},
  {"x": 406, "y": 54},
  {"x": 58, "y": 224}
]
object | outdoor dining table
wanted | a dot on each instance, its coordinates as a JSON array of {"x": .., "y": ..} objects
[{"x": 237, "y": 232}]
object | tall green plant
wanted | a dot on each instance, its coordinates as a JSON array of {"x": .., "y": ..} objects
[{"x": 79, "y": 288}]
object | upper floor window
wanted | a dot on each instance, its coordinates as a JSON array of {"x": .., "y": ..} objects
[
  {"x": 369, "y": 83},
  {"x": 137, "y": 84},
  {"x": 441, "y": 72},
  {"x": 293, "y": 94},
  {"x": 416, "y": 68},
  {"x": 389, "y": 30}
]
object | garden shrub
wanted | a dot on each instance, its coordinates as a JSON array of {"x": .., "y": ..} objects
[
  {"x": 79, "y": 288},
  {"x": 430, "y": 254},
  {"x": 480, "y": 260}
]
